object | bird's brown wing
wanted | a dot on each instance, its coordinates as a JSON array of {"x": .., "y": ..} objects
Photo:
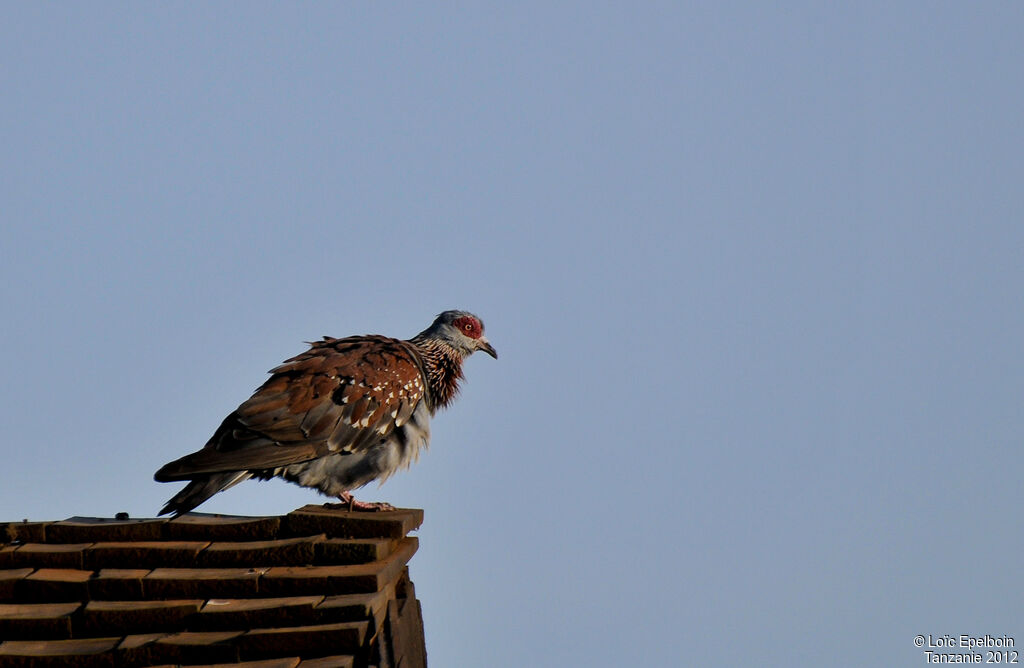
[{"x": 341, "y": 395}]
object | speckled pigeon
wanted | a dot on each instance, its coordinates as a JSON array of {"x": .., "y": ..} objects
[{"x": 342, "y": 414}]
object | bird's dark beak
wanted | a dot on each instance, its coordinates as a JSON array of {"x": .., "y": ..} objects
[{"x": 485, "y": 345}]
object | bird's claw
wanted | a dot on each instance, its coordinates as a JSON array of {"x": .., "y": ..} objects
[{"x": 364, "y": 506}]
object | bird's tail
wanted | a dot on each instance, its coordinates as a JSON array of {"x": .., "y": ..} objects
[{"x": 200, "y": 489}]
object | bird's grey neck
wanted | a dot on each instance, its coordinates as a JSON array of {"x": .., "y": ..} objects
[{"x": 442, "y": 364}]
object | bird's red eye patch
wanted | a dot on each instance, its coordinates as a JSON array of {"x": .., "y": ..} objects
[{"x": 469, "y": 326}]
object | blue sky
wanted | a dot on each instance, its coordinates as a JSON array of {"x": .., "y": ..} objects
[{"x": 754, "y": 273}]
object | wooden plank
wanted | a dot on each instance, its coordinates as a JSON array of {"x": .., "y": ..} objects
[
  {"x": 23, "y": 532},
  {"x": 36, "y": 610},
  {"x": 143, "y": 554},
  {"x": 256, "y": 613},
  {"x": 136, "y": 640},
  {"x": 57, "y": 648},
  {"x": 331, "y": 580},
  {"x": 352, "y": 607},
  {"x": 404, "y": 587},
  {"x": 133, "y": 617},
  {"x": 353, "y": 550},
  {"x": 201, "y": 526},
  {"x": 202, "y": 582},
  {"x": 279, "y": 552},
  {"x": 306, "y": 641},
  {"x": 97, "y": 529},
  {"x": 193, "y": 647},
  {"x": 328, "y": 662},
  {"x": 285, "y": 662},
  {"x": 289, "y": 662},
  {"x": 22, "y": 621},
  {"x": 379, "y": 612},
  {"x": 118, "y": 584},
  {"x": 337, "y": 523},
  {"x": 405, "y": 630},
  {"x": 54, "y": 584},
  {"x": 44, "y": 555},
  {"x": 9, "y": 578},
  {"x": 136, "y": 649},
  {"x": 7, "y": 555}
]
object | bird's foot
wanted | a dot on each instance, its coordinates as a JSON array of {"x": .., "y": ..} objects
[{"x": 353, "y": 504}]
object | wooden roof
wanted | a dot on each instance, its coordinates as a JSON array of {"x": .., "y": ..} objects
[{"x": 316, "y": 588}]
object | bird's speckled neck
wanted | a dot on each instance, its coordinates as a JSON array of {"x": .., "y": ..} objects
[{"x": 443, "y": 366}]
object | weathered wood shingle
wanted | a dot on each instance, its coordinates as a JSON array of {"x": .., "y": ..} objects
[{"x": 316, "y": 588}]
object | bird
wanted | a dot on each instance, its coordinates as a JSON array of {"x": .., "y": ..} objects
[{"x": 344, "y": 413}]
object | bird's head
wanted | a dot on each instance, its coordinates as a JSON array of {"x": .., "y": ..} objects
[{"x": 461, "y": 330}]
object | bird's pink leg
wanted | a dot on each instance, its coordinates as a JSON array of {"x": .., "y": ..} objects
[{"x": 346, "y": 497}]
